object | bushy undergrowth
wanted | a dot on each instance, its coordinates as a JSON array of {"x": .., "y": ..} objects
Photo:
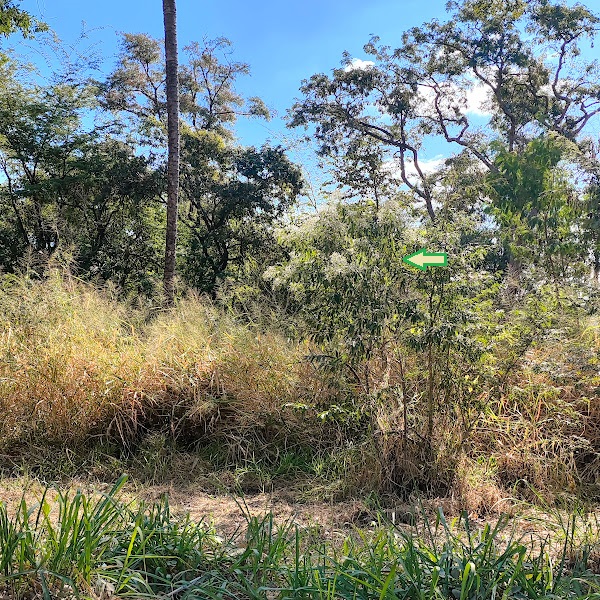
[
  {"x": 80, "y": 546},
  {"x": 80, "y": 370},
  {"x": 78, "y": 367}
]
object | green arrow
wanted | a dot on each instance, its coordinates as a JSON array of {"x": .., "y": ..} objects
[{"x": 423, "y": 259}]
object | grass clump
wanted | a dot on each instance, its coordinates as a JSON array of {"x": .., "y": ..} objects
[
  {"x": 74, "y": 545},
  {"x": 82, "y": 373},
  {"x": 80, "y": 545},
  {"x": 89, "y": 383}
]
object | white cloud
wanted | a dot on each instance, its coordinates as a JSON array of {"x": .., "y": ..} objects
[
  {"x": 470, "y": 102},
  {"x": 477, "y": 98},
  {"x": 427, "y": 166},
  {"x": 473, "y": 100},
  {"x": 358, "y": 63}
]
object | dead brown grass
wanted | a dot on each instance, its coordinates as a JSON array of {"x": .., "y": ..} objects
[
  {"x": 77, "y": 368},
  {"x": 74, "y": 368}
]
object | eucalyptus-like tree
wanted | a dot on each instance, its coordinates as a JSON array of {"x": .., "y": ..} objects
[
  {"x": 523, "y": 58},
  {"x": 172, "y": 91},
  {"x": 229, "y": 196}
]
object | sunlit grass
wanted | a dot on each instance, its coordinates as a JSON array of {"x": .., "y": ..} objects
[
  {"x": 87, "y": 546},
  {"x": 78, "y": 367},
  {"x": 89, "y": 382}
]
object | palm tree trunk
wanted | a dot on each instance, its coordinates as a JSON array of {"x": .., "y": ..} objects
[{"x": 170, "y": 19}]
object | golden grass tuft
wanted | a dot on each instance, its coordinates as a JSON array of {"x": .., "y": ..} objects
[
  {"x": 75, "y": 369},
  {"x": 477, "y": 488},
  {"x": 78, "y": 367}
]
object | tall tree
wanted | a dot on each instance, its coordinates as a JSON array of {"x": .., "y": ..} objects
[
  {"x": 522, "y": 57},
  {"x": 229, "y": 196},
  {"x": 13, "y": 19},
  {"x": 69, "y": 187},
  {"x": 170, "y": 20}
]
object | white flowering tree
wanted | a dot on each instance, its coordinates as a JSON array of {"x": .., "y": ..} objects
[{"x": 394, "y": 331}]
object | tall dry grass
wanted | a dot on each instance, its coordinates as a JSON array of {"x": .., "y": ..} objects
[{"x": 78, "y": 368}]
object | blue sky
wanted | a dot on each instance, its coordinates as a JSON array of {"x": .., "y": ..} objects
[{"x": 283, "y": 42}]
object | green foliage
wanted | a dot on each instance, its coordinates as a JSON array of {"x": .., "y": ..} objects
[
  {"x": 371, "y": 313},
  {"x": 74, "y": 190},
  {"x": 420, "y": 90},
  {"x": 416, "y": 353},
  {"x": 533, "y": 199},
  {"x": 114, "y": 223},
  {"x": 232, "y": 197},
  {"x": 345, "y": 270},
  {"x": 96, "y": 546},
  {"x": 92, "y": 194},
  {"x": 591, "y": 221},
  {"x": 97, "y": 543},
  {"x": 40, "y": 133},
  {"x": 207, "y": 76},
  {"x": 13, "y": 19}
]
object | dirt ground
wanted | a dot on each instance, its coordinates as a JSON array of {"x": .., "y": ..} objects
[
  {"x": 227, "y": 512},
  {"x": 328, "y": 519}
]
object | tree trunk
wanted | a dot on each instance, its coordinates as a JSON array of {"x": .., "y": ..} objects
[{"x": 170, "y": 19}]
